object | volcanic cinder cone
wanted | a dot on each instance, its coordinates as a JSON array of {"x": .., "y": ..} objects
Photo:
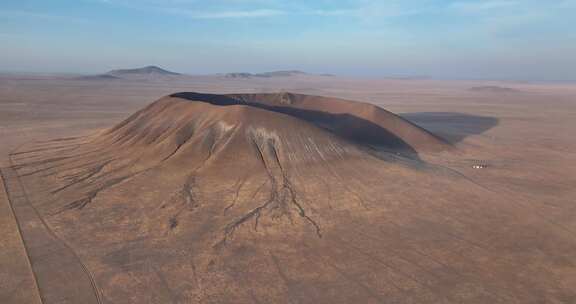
[{"x": 280, "y": 198}]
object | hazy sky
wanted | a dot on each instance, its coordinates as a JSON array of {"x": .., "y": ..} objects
[{"x": 519, "y": 39}]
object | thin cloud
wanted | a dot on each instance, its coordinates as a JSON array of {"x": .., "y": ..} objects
[
  {"x": 482, "y": 5},
  {"x": 194, "y": 9},
  {"x": 258, "y": 13},
  {"x": 379, "y": 9},
  {"x": 38, "y": 15},
  {"x": 335, "y": 12}
]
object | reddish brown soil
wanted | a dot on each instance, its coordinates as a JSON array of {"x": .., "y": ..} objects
[{"x": 287, "y": 198}]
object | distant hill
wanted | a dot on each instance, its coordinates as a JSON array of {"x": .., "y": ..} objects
[
  {"x": 493, "y": 89},
  {"x": 99, "y": 77},
  {"x": 281, "y": 73},
  {"x": 145, "y": 71},
  {"x": 239, "y": 75},
  {"x": 271, "y": 74}
]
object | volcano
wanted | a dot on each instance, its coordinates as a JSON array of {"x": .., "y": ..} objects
[{"x": 270, "y": 198}]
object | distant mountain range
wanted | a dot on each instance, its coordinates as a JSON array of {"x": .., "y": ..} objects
[
  {"x": 99, "y": 77},
  {"x": 287, "y": 73},
  {"x": 493, "y": 89},
  {"x": 156, "y": 73}
]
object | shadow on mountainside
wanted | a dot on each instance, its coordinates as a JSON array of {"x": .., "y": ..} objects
[
  {"x": 350, "y": 127},
  {"x": 452, "y": 126}
]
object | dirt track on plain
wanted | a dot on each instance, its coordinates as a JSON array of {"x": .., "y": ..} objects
[{"x": 58, "y": 272}]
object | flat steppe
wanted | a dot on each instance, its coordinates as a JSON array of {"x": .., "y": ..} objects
[{"x": 524, "y": 137}]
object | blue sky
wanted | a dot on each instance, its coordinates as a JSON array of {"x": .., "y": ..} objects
[{"x": 500, "y": 39}]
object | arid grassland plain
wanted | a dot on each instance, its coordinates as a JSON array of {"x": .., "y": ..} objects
[{"x": 285, "y": 187}]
